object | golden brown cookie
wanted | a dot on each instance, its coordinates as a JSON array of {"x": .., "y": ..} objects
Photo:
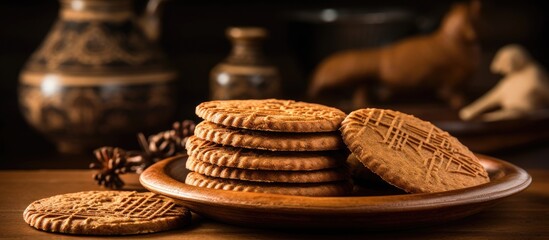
[
  {"x": 410, "y": 153},
  {"x": 272, "y": 115},
  {"x": 106, "y": 213},
  {"x": 324, "y": 175},
  {"x": 361, "y": 173},
  {"x": 339, "y": 188},
  {"x": 233, "y": 157},
  {"x": 274, "y": 141}
]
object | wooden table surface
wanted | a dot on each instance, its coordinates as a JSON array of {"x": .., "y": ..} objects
[{"x": 522, "y": 216}]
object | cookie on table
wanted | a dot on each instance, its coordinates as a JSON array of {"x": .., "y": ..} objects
[
  {"x": 234, "y": 157},
  {"x": 324, "y": 175},
  {"x": 106, "y": 213},
  {"x": 338, "y": 188},
  {"x": 410, "y": 153},
  {"x": 273, "y": 141},
  {"x": 272, "y": 115}
]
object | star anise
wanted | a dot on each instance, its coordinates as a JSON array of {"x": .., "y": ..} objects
[
  {"x": 111, "y": 163},
  {"x": 164, "y": 144},
  {"x": 183, "y": 130},
  {"x": 169, "y": 143}
]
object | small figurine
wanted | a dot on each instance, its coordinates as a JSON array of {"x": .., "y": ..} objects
[
  {"x": 440, "y": 61},
  {"x": 523, "y": 90}
]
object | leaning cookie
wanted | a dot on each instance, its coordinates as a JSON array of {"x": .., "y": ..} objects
[
  {"x": 273, "y": 141},
  {"x": 106, "y": 213},
  {"x": 361, "y": 174},
  {"x": 339, "y": 188},
  {"x": 272, "y": 115},
  {"x": 410, "y": 153}
]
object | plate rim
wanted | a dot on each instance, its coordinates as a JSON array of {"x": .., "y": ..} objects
[{"x": 156, "y": 179}]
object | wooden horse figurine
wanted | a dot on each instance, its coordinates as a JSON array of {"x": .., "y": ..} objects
[
  {"x": 440, "y": 61},
  {"x": 523, "y": 90}
]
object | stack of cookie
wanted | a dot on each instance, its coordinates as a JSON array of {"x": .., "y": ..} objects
[{"x": 270, "y": 146}]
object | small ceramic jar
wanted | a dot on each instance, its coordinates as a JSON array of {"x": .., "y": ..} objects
[{"x": 245, "y": 73}]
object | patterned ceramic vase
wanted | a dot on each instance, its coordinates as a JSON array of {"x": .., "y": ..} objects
[{"x": 98, "y": 78}]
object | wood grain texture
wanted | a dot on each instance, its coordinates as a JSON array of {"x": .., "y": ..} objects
[{"x": 519, "y": 217}]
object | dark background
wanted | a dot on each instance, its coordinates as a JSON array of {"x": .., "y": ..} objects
[{"x": 193, "y": 38}]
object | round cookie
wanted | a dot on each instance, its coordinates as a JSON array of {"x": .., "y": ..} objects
[
  {"x": 325, "y": 175},
  {"x": 272, "y": 115},
  {"x": 106, "y": 213},
  {"x": 274, "y": 141},
  {"x": 410, "y": 153},
  {"x": 233, "y": 157},
  {"x": 339, "y": 188},
  {"x": 362, "y": 174}
]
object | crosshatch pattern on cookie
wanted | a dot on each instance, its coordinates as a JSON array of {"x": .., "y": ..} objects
[
  {"x": 442, "y": 154},
  {"x": 272, "y": 115},
  {"x": 409, "y": 140},
  {"x": 233, "y": 157},
  {"x": 100, "y": 212}
]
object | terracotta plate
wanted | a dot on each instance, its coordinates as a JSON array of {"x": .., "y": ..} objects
[{"x": 364, "y": 212}]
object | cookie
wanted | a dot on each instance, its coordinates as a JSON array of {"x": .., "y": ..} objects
[
  {"x": 410, "y": 153},
  {"x": 274, "y": 141},
  {"x": 361, "y": 174},
  {"x": 106, "y": 213},
  {"x": 233, "y": 157},
  {"x": 325, "y": 175},
  {"x": 272, "y": 115},
  {"x": 339, "y": 188}
]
